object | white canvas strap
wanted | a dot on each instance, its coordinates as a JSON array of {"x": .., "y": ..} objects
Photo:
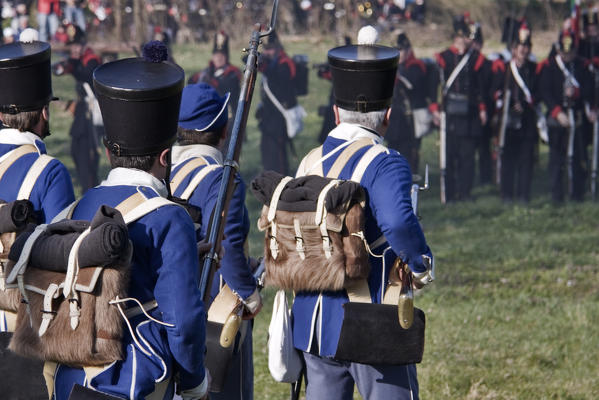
[
  {"x": 318, "y": 164},
  {"x": 321, "y": 218},
  {"x": 32, "y": 175},
  {"x": 12, "y": 156},
  {"x": 365, "y": 161},
  {"x": 299, "y": 239},
  {"x": 567, "y": 74},
  {"x": 197, "y": 179},
  {"x": 405, "y": 81},
  {"x": 310, "y": 162},
  {"x": 272, "y": 208},
  {"x": 520, "y": 81},
  {"x": 456, "y": 71},
  {"x": 186, "y": 170}
]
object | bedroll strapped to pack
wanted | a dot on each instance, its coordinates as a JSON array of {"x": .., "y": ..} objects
[
  {"x": 320, "y": 246},
  {"x": 70, "y": 317}
]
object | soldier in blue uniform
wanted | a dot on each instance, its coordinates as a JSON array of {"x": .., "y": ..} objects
[
  {"x": 391, "y": 228},
  {"x": 140, "y": 101},
  {"x": 26, "y": 172},
  {"x": 197, "y": 175}
]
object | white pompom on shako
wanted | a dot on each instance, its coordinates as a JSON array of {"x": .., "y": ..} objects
[{"x": 368, "y": 36}]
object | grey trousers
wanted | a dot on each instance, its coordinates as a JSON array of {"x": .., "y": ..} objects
[{"x": 329, "y": 379}]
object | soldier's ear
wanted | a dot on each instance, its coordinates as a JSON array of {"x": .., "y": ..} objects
[
  {"x": 387, "y": 117},
  {"x": 163, "y": 158},
  {"x": 46, "y": 113},
  {"x": 336, "y": 112}
]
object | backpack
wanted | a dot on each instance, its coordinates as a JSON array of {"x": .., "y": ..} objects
[
  {"x": 72, "y": 317},
  {"x": 300, "y": 82},
  {"x": 8, "y": 236}
]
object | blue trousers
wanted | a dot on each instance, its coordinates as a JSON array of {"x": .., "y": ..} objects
[{"x": 330, "y": 379}]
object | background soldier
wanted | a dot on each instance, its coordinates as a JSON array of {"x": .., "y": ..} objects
[
  {"x": 25, "y": 80},
  {"x": 410, "y": 94},
  {"x": 202, "y": 131},
  {"x": 565, "y": 85},
  {"x": 519, "y": 77},
  {"x": 220, "y": 74},
  {"x": 483, "y": 141},
  {"x": 164, "y": 266},
  {"x": 465, "y": 107},
  {"x": 86, "y": 127},
  {"x": 362, "y": 112},
  {"x": 278, "y": 72}
]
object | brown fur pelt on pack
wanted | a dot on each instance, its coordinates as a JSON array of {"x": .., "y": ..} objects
[
  {"x": 349, "y": 259},
  {"x": 9, "y": 298},
  {"x": 97, "y": 338}
]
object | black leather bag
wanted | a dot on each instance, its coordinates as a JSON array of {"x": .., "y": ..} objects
[
  {"x": 393, "y": 345},
  {"x": 457, "y": 104}
]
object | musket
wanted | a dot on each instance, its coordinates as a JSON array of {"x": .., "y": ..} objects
[
  {"x": 595, "y": 156},
  {"x": 230, "y": 167},
  {"x": 507, "y": 94},
  {"x": 571, "y": 134},
  {"x": 442, "y": 142}
]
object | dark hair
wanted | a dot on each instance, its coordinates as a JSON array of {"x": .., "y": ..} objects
[
  {"x": 143, "y": 163},
  {"x": 189, "y": 136},
  {"x": 24, "y": 121}
]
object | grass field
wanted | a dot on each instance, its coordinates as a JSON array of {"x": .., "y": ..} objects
[{"x": 514, "y": 312}]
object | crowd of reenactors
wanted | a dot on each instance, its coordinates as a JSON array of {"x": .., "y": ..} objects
[{"x": 149, "y": 332}]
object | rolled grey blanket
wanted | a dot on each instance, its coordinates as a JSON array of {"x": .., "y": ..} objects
[
  {"x": 106, "y": 243},
  {"x": 15, "y": 215}
]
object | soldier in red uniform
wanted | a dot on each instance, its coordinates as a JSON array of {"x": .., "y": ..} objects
[
  {"x": 87, "y": 126},
  {"x": 464, "y": 101}
]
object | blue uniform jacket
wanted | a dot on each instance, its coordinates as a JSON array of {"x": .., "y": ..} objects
[
  {"x": 164, "y": 267},
  {"x": 387, "y": 183},
  {"x": 53, "y": 190},
  {"x": 234, "y": 267}
]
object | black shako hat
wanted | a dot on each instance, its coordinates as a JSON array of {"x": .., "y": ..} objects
[
  {"x": 25, "y": 77},
  {"x": 363, "y": 76},
  {"x": 139, "y": 100}
]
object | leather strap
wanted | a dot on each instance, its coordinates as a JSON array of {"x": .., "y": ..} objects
[
  {"x": 197, "y": 179},
  {"x": 365, "y": 161},
  {"x": 32, "y": 175},
  {"x": 223, "y": 305},
  {"x": 14, "y": 155},
  {"x": 310, "y": 164},
  {"x": 358, "y": 291},
  {"x": 346, "y": 155},
  {"x": 186, "y": 170}
]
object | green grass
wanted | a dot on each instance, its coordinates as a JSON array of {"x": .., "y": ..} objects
[{"x": 514, "y": 311}]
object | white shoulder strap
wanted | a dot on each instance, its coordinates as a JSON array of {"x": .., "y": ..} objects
[
  {"x": 366, "y": 160},
  {"x": 31, "y": 178},
  {"x": 146, "y": 207},
  {"x": 197, "y": 179},
  {"x": 456, "y": 71},
  {"x": 520, "y": 81}
]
